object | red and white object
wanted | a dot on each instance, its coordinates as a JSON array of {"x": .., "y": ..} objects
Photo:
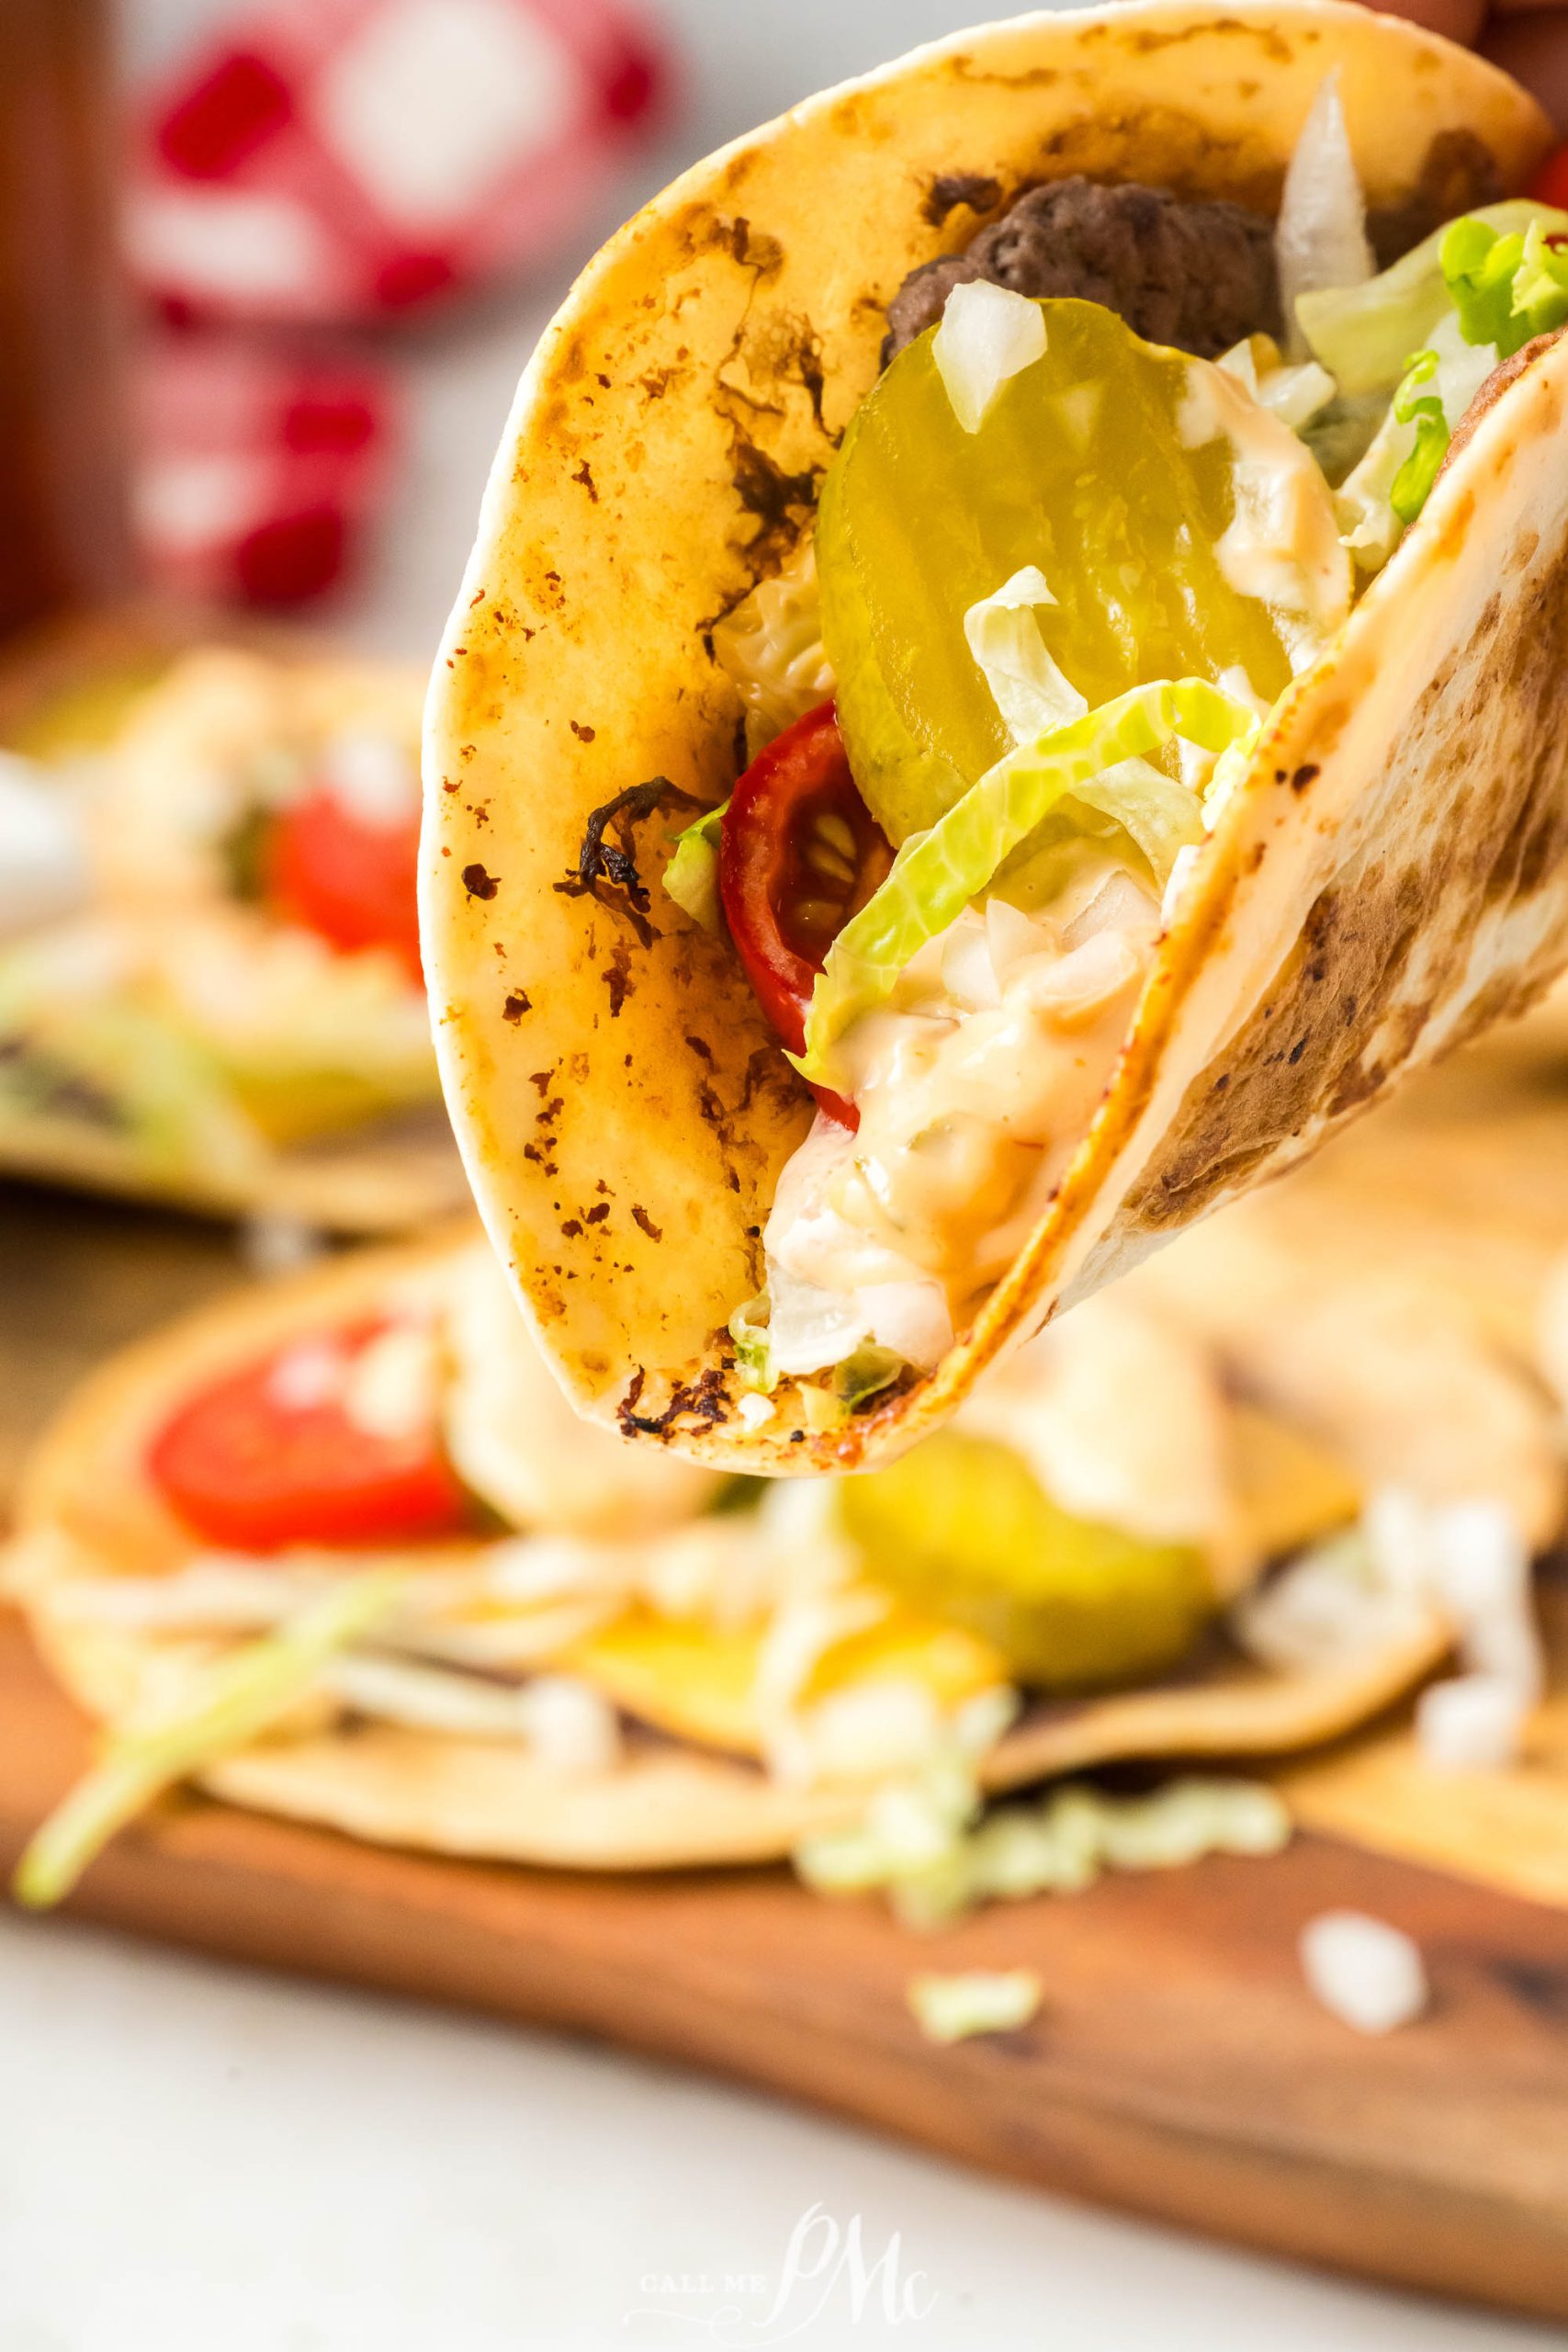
[
  {"x": 259, "y": 464},
  {"x": 354, "y": 159}
]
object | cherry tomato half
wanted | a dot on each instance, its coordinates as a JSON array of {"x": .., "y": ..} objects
[
  {"x": 247, "y": 1466},
  {"x": 351, "y": 881},
  {"x": 799, "y": 853},
  {"x": 1549, "y": 184}
]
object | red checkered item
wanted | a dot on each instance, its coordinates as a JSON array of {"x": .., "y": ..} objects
[
  {"x": 348, "y": 159},
  {"x": 258, "y": 465}
]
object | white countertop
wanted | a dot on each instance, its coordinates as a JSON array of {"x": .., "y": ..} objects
[{"x": 193, "y": 2158}]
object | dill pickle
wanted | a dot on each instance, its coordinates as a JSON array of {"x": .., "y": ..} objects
[
  {"x": 963, "y": 1528},
  {"x": 1081, "y": 467}
]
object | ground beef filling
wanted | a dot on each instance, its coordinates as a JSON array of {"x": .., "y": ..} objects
[{"x": 1198, "y": 276}]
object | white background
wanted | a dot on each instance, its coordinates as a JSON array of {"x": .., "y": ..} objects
[{"x": 194, "y": 2159}]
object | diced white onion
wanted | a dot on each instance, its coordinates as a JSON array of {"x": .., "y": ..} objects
[
  {"x": 1472, "y": 1722},
  {"x": 1368, "y": 1975},
  {"x": 1069, "y": 988},
  {"x": 1012, "y": 936},
  {"x": 391, "y": 1390},
  {"x": 45, "y": 871},
  {"x": 373, "y": 778},
  {"x": 572, "y": 1727},
  {"x": 913, "y": 1318},
  {"x": 272, "y": 1243},
  {"x": 950, "y": 2009},
  {"x": 987, "y": 335},
  {"x": 869, "y": 1729},
  {"x": 309, "y": 1374}
]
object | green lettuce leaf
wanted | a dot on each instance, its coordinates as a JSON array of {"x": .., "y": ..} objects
[
  {"x": 937, "y": 874},
  {"x": 240, "y": 1697},
  {"x": 1364, "y": 334},
  {"x": 1424, "y": 409},
  {"x": 690, "y": 878}
]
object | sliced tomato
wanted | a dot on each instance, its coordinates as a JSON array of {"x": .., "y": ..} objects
[
  {"x": 799, "y": 853},
  {"x": 351, "y": 881},
  {"x": 247, "y": 1466},
  {"x": 1549, "y": 184}
]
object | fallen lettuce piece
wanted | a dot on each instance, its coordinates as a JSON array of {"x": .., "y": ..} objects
[
  {"x": 951, "y": 2008},
  {"x": 936, "y": 874},
  {"x": 240, "y": 1697},
  {"x": 925, "y": 1845},
  {"x": 1364, "y": 334},
  {"x": 690, "y": 878}
]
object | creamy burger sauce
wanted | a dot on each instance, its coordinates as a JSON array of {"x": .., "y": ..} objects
[{"x": 975, "y": 1088}]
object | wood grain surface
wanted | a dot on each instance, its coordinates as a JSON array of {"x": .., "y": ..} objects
[{"x": 1176, "y": 2068}]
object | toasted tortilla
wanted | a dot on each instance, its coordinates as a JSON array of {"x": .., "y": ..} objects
[
  {"x": 86, "y": 1509},
  {"x": 391, "y": 1175},
  {"x": 1501, "y": 1827},
  {"x": 1392, "y": 875},
  {"x": 103, "y": 682}
]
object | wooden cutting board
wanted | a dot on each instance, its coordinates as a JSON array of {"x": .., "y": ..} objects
[{"x": 1178, "y": 2067}]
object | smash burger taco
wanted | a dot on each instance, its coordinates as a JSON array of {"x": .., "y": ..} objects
[
  {"x": 1071, "y": 534},
  {"x": 209, "y": 977},
  {"x": 342, "y": 1550}
]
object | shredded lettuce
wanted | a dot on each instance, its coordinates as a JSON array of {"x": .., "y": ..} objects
[
  {"x": 1364, "y": 334},
  {"x": 770, "y": 647},
  {"x": 242, "y": 1696},
  {"x": 1506, "y": 290},
  {"x": 937, "y": 874},
  {"x": 1369, "y": 520},
  {"x": 1026, "y": 685},
  {"x": 1540, "y": 286},
  {"x": 927, "y": 1846},
  {"x": 1320, "y": 237},
  {"x": 1423, "y": 408},
  {"x": 950, "y": 2009},
  {"x": 690, "y": 878},
  {"x": 753, "y": 1349}
]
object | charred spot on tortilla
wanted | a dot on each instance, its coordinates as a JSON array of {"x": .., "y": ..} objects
[
  {"x": 477, "y": 883},
  {"x": 702, "y": 1400},
  {"x": 1458, "y": 173},
  {"x": 517, "y": 1003},
  {"x": 950, "y": 189},
  {"x": 602, "y": 868}
]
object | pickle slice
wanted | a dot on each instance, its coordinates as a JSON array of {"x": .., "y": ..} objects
[
  {"x": 1082, "y": 467},
  {"x": 963, "y": 1528}
]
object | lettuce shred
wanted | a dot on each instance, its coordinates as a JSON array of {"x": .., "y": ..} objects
[
  {"x": 236, "y": 1700},
  {"x": 937, "y": 874},
  {"x": 690, "y": 878},
  {"x": 1364, "y": 334},
  {"x": 1415, "y": 403}
]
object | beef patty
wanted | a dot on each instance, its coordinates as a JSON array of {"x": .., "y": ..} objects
[{"x": 1199, "y": 276}]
